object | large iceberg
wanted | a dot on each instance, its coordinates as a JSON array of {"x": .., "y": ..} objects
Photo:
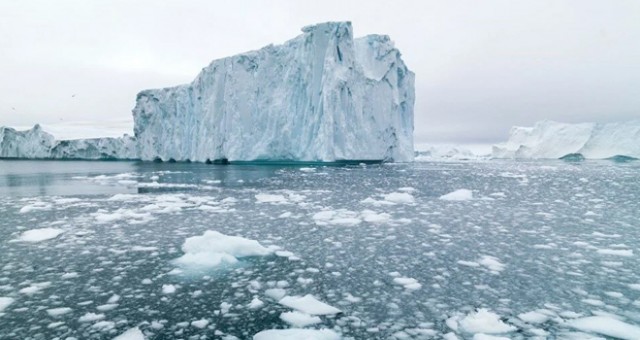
[
  {"x": 549, "y": 139},
  {"x": 38, "y": 144},
  {"x": 322, "y": 96}
]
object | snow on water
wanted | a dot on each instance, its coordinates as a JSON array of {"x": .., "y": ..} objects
[
  {"x": 542, "y": 246},
  {"x": 213, "y": 249},
  {"x": 39, "y": 235}
]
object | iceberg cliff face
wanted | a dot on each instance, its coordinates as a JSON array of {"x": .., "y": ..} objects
[
  {"x": 321, "y": 96},
  {"x": 548, "y": 139},
  {"x": 37, "y": 144}
]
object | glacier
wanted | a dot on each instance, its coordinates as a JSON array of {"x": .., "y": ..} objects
[
  {"x": 322, "y": 96},
  {"x": 35, "y": 143},
  {"x": 554, "y": 140}
]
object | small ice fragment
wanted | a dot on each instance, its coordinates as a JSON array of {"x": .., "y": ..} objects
[
  {"x": 200, "y": 323},
  {"x": 298, "y": 319},
  {"x": 458, "y": 195},
  {"x": 132, "y": 334},
  {"x": 308, "y": 304},
  {"x": 297, "y": 334},
  {"x": 485, "y": 321},
  {"x": 58, "y": 311},
  {"x": 38, "y": 235}
]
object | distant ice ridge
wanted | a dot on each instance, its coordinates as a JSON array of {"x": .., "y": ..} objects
[
  {"x": 38, "y": 144},
  {"x": 448, "y": 152},
  {"x": 552, "y": 140},
  {"x": 322, "y": 96}
]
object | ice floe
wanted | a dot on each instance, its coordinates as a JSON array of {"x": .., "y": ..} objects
[{"x": 39, "y": 235}]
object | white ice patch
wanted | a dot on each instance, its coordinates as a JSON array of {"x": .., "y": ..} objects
[
  {"x": 491, "y": 263},
  {"x": 297, "y": 334},
  {"x": 309, "y": 305},
  {"x": 458, "y": 195},
  {"x": 5, "y": 302},
  {"x": 408, "y": 283},
  {"x": 59, "y": 311},
  {"x": 213, "y": 249},
  {"x": 606, "y": 326},
  {"x": 485, "y": 321},
  {"x": 90, "y": 317},
  {"x": 533, "y": 317},
  {"x": 269, "y": 198},
  {"x": 298, "y": 319},
  {"x": 616, "y": 252},
  {"x": 132, "y": 334},
  {"x": 38, "y": 235},
  {"x": 399, "y": 197},
  {"x": 34, "y": 288}
]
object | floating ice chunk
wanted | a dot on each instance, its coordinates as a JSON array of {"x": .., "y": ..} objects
[
  {"x": 37, "y": 206},
  {"x": 373, "y": 217},
  {"x": 297, "y": 334},
  {"x": 38, "y": 235},
  {"x": 269, "y": 198},
  {"x": 297, "y": 319},
  {"x": 71, "y": 275},
  {"x": 399, "y": 197},
  {"x": 256, "y": 303},
  {"x": 59, "y": 311},
  {"x": 606, "y": 326},
  {"x": 458, "y": 195},
  {"x": 533, "y": 317},
  {"x": 481, "y": 336},
  {"x": 107, "y": 307},
  {"x": 168, "y": 289},
  {"x": 132, "y": 334},
  {"x": 90, "y": 317},
  {"x": 213, "y": 249},
  {"x": 5, "y": 302},
  {"x": 341, "y": 217},
  {"x": 616, "y": 252},
  {"x": 407, "y": 282},
  {"x": 200, "y": 323},
  {"x": 485, "y": 321},
  {"x": 491, "y": 263},
  {"x": 275, "y": 293},
  {"x": 35, "y": 288},
  {"x": 308, "y": 304}
]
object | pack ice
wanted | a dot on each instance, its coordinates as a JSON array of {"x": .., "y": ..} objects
[
  {"x": 549, "y": 140},
  {"x": 322, "y": 96}
]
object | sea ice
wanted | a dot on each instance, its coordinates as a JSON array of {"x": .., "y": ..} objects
[
  {"x": 38, "y": 235},
  {"x": 132, "y": 334},
  {"x": 606, "y": 326},
  {"x": 458, "y": 195},
  {"x": 308, "y": 304},
  {"x": 213, "y": 249},
  {"x": 5, "y": 302},
  {"x": 485, "y": 321},
  {"x": 298, "y": 319},
  {"x": 297, "y": 334}
]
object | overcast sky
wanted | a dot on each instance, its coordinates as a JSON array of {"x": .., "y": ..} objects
[{"x": 481, "y": 66}]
